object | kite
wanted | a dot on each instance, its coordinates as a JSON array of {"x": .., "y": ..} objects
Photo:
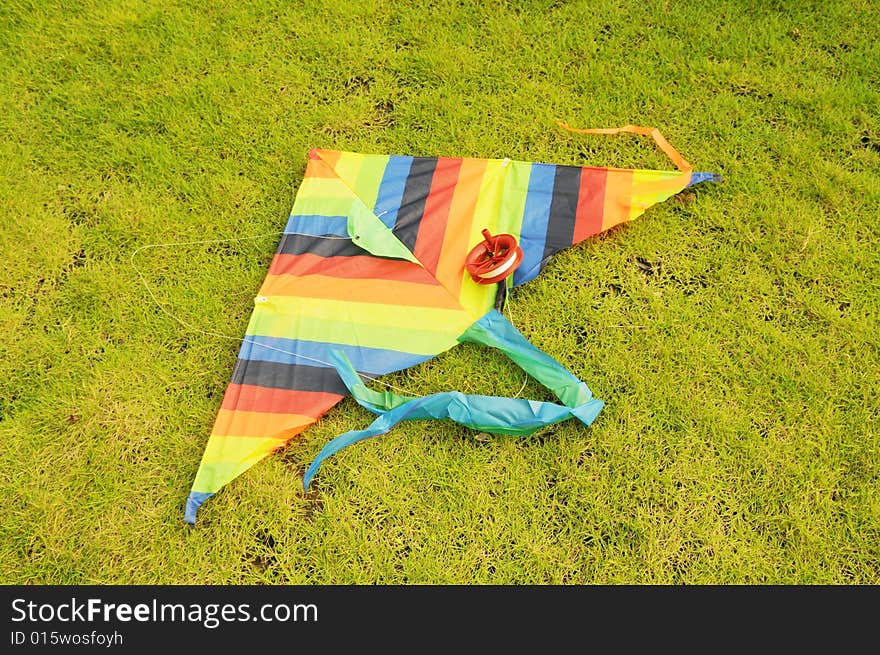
[{"x": 387, "y": 261}]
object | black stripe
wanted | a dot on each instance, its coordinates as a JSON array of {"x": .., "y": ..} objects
[
  {"x": 563, "y": 209},
  {"x": 295, "y": 377},
  {"x": 412, "y": 204},
  {"x": 298, "y": 244}
]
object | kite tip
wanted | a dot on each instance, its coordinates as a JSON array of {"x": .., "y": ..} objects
[
  {"x": 696, "y": 178},
  {"x": 193, "y": 502}
]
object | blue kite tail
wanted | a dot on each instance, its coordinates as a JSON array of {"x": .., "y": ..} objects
[{"x": 514, "y": 416}]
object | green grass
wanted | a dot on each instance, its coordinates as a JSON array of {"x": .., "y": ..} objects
[{"x": 734, "y": 338}]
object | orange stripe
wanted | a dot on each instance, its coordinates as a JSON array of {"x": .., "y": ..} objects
[
  {"x": 353, "y": 267},
  {"x": 251, "y": 398},
  {"x": 618, "y": 191},
  {"x": 231, "y": 423},
  {"x": 327, "y": 157},
  {"x": 450, "y": 267},
  {"x": 434, "y": 220},
  {"x": 359, "y": 290}
]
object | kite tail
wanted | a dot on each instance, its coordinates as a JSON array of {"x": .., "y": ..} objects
[
  {"x": 380, "y": 426},
  {"x": 512, "y": 416},
  {"x": 680, "y": 162}
]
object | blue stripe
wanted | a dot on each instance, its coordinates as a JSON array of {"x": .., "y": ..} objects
[
  {"x": 193, "y": 502},
  {"x": 535, "y": 218},
  {"x": 317, "y": 225},
  {"x": 375, "y": 361},
  {"x": 391, "y": 189},
  {"x": 696, "y": 178}
]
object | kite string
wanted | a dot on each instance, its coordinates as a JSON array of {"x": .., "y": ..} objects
[
  {"x": 211, "y": 333},
  {"x": 506, "y": 309}
]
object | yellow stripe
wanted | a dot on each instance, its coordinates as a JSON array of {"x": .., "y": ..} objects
[
  {"x": 358, "y": 175},
  {"x": 323, "y": 196},
  {"x": 423, "y": 336},
  {"x": 226, "y": 458},
  {"x": 651, "y": 187},
  {"x": 324, "y": 187},
  {"x": 389, "y": 316},
  {"x": 478, "y": 298},
  {"x": 348, "y": 167}
]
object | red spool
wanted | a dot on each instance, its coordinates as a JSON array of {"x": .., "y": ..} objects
[{"x": 494, "y": 258}]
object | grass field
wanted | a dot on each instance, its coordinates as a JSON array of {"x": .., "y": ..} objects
[{"x": 734, "y": 334}]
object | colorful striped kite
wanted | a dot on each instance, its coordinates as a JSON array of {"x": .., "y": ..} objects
[{"x": 370, "y": 278}]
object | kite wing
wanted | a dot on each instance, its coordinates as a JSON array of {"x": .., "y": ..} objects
[{"x": 369, "y": 278}]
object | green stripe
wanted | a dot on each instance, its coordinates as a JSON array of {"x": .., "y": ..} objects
[
  {"x": 370, "y": 179},
  {"x": 513, "y": 199}
]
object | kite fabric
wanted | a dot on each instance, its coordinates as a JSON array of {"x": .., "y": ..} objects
[{"x": 369, "y": 278}]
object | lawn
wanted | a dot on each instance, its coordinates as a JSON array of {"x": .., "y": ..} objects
[{"x": 734, "y": 334}]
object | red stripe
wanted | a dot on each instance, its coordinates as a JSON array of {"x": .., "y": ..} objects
[
  {"x": 251, "y": 398},
  {"x": 356, "y": 267},
  {"x": 436, "y": 215},
  {"x": 591, "y": 203}
]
